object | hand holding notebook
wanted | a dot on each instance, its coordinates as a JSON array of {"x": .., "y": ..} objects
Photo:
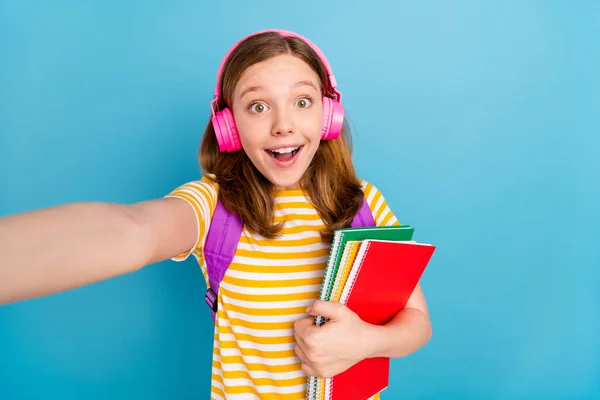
[
  {"x": 335, "y": 346},
  {"x": 373, "y": 271}
]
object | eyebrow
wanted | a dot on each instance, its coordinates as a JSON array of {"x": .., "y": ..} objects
[{"x": 296, "y": 85}]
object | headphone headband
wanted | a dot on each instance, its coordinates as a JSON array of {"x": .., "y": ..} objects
[{"x": 332, "y": 81}]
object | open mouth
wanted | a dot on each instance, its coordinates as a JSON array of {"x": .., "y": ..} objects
[{"x": 284, "y": 154}]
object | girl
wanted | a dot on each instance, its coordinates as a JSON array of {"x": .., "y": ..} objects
[{"x": 276, "y": 152}]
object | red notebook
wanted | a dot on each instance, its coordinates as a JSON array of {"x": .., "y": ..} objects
[{"x": 383, "y": 277}]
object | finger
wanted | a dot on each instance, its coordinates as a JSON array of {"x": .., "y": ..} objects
[
  {"x": 301, "y": 342},
  {"x": 308, "y": 370},
  {"x": 327, "y": 309},
  {"x": 301, "y": 353},
  {"x": 301, "y": 324}
]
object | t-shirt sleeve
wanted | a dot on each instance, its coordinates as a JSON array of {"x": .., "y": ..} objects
[
  {"x": 382, "y": 214},
  {"x": 201, "y": 195}
]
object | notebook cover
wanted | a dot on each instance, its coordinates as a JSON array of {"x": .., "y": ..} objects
[
  {"x": 346, "y": 262},
  {"x": 341, "y": 236},
  {"x": 338, "y": 249},
  {"x": 384, "y": 279}
]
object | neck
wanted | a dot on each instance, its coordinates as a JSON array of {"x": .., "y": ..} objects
[{"x": 295, "y": 186}]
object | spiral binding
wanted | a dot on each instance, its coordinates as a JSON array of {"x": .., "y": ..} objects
[
  {"x": 319, "y": 320},
  {"x": 313, "y": 391}
]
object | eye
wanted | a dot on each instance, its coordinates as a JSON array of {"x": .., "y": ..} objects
[
  {"x": 304, "y": 102},
  {"x": 257, "y": 108}
]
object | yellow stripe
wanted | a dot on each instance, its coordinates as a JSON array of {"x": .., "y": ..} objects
[
  {"x": 304, "y": 205},
  {"x": 209, "y": 196},
  {"x": 377, "y": 211},
  {"x": 273, "y": 369},
  {"x": 274, "y": 283},
  {"x": 271, "y": 297},
  {"x": 302, "y": 229},
  {"x": 295, "y": 217},
  {"x": 387, "y": 219},
  {"x": 217, "y": 390},
  {"x": 252, "y": 390},
  {"x": 298, "y": 211},
  {"x": 249, "y": 352},
  {"x": 257, "y": 339},
  {"x": 290, "y": 193},
  {"x": 282, "y": 243},
  {"x": 266, "y": 326},
  {"x": 217, "y": 378},
  {"x": 264, "y": 381},
  {"x": 368, "y": 189}
]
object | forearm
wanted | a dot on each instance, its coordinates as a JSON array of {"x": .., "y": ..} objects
[
  {"x": 408, "y": 331},
  {"x": 59, "y": 248}
]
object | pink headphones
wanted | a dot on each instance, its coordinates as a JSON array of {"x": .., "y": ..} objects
[{"x": 333, "y": 110}]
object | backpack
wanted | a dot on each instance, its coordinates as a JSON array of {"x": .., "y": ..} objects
[{"x": 222, "y": 239}]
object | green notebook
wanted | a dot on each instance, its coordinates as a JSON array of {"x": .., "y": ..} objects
[{"x": 341, "y": 236}]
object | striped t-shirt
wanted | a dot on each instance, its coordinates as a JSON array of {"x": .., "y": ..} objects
[{"x": 268, "y": 286}]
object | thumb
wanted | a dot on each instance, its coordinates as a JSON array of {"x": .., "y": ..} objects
[{"x": 327, "y": 309}]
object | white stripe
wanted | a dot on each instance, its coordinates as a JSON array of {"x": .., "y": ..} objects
[
  {"x": 288, "y": 236},
  {"x": 285, "y": 318},
  {"x": 283, "y": 249},
  {"x": 379, "y": 206},
  {"x": 264, "y": 374},
  {"x": 266, "y": 262},
  {"x": 259, "y": 389},
  {"x": 297, "y": 211},
  {"x": 292, "y": 199},
  {"x": 271, "y": 290},
  {"x": 217, "y": 383},
  {"x": 392, "y": 220},
  {"x": 260, "y": 360},
  {"x": 371, "y": 194},
  {"x": 384, "y": 214},
  {"x": 249, "y": 344},
  {"x": 299, "y": 223},
  {"x": 265, "y": 348},
  {"x": 292, "y": 361}
]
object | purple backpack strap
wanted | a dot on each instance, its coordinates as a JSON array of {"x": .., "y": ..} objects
[
  {"x": 363, "y": 217},
  {"x": 221, "y": 242},
  {"x": 223, "y": 237}
]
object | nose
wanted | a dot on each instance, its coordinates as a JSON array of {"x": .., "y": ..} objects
[{"x": 283, "y": 124}]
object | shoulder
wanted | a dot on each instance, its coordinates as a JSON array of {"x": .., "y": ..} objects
[
  {"x": 372, "y": 192},
  {"x": 201, "y": 195},
  {"x": 204, "y": 189},
  {"x": 382, "y": 213}
]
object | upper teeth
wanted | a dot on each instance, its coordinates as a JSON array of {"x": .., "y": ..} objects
[{"x": 284, "y": 150}]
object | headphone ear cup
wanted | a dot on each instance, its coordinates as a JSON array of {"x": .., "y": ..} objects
[
  {"x": 226, "y": 131},
  {"x": 333, "y": 119}
]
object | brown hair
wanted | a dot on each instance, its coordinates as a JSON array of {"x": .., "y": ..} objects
[{"x": 330, "y": 180}]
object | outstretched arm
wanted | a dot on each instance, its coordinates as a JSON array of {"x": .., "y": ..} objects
[{"x": 60, "y": 248}]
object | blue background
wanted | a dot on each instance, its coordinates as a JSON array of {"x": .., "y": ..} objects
[{"x": 479, "y": 121}]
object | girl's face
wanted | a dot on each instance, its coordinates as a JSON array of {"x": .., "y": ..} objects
[{"x": 277, "y": 107}]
